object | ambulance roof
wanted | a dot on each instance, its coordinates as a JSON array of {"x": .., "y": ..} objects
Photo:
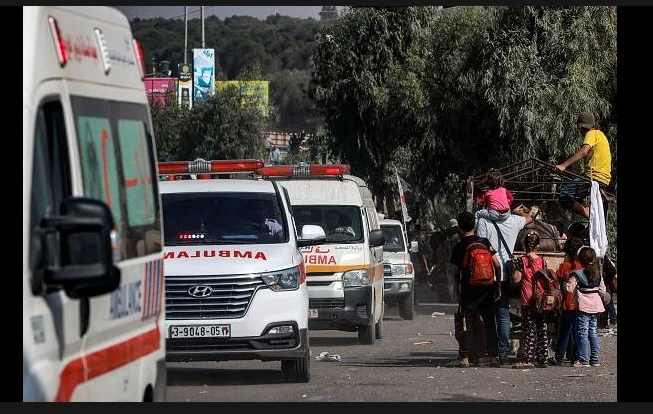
[
  {"x": 324, "y": 191},
  {"x": 216, "y": 185},
  {"x": 90, "y": 36},
  {"x": 390, "y": 222}
]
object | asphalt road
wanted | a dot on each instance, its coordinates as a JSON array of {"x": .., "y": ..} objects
[{"x": 407, "y": 365}]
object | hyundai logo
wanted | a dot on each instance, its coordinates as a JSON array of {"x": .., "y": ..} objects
[{"x": 200, "y": 291}]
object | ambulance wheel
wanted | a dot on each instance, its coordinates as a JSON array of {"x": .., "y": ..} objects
[
  {"x": 367, "y": 334},
  {"x": 407, "y": 307},
  {"x": 297, "y": 370},
  {"x": 378, "y": 328}
]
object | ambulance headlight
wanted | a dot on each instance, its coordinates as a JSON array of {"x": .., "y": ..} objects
[
  {"x": 401, "y": 270},
  {"x": 287, "y": 279},
  {"x": 359, "y": 277}
]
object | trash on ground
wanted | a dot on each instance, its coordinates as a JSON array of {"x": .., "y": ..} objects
[
  {"x": 325, "y": 356},
  {"x": 422, "y": 343},
  {"x": 434, "y": 314}
]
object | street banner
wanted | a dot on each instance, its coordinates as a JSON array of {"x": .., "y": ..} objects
[
  {"x": 185, "y": 85},
  {"x": 203, "y": 74},
  {"x": 402, "y": 198}
]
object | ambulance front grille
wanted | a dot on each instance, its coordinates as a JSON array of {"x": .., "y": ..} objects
[{"x": 224, "y": 296}]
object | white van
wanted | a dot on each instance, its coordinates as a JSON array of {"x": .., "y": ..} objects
[
  {"x": 93, "y": 297},
  {"x": 398, "y": 272},
  {"x": 345, "y": 274},
  {"x": 235, "y": 279}
]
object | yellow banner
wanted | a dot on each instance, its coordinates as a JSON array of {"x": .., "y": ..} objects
[{"x": 258, "y": 91}]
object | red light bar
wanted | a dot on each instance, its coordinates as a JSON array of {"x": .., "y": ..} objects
[
  {"x": 303, "y": 170},
  {"x": 59, "y": 44},
  {"x": 215, "y": 167}
]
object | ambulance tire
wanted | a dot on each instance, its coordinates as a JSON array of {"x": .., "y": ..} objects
[
  {"x": 407, "y": 307},
  {"x": 378, "y": 328},
  {"x": 297, "y": 370},
  {"x": 367, "y": 334}
]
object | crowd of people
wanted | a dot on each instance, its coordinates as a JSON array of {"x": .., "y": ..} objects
[{"x": 583, "y": 279}]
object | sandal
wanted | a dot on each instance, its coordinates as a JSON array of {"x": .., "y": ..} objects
[
  {"x": 456, "y": 363},
  {"x": 521, "y": 365}
]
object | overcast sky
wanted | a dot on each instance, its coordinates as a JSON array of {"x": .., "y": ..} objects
[{"x": 261, "y": 12}]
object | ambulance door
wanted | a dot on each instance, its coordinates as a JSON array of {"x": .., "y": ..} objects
[
  {"x": 52, "y": 342},
  {"x": 124, "y": 329}
]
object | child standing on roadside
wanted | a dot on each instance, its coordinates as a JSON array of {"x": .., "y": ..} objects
[
  {"x": 496, "y": 200},
  {"x": 534, "y": 327},
  {"x": 587, "y": 284},
  {"x": 566, "y": 344}
]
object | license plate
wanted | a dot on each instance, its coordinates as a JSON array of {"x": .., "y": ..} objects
[
  {"x": 312, "y": 313},
  {"x": 200, "y": 331}
]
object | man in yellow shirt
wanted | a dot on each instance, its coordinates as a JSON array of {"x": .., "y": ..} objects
[{"x": 598, "y": 166}]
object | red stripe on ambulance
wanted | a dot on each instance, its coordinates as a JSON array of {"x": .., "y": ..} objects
[{"x": 106, "y": 360}]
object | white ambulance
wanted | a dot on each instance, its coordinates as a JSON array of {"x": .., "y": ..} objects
[
  {"x": 398, "y": 272},
  {"x": 235, "y": 279},
  {"x": 93, "y": 296},
  {"x": 345, "y": 274}
]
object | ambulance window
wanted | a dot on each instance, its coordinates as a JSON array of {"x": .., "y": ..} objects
[
  {"x": 118, "y": 166},
  {"x": 138, "y": 175},
  {"x": 50, "y": 179}
]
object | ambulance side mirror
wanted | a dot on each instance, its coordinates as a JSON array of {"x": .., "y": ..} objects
[
  {"x": 311, "y": 235},
  {"x": 377, "y": 238},
  {"x": 78, "y": 241},
  {"x": 414, "y": 247}
]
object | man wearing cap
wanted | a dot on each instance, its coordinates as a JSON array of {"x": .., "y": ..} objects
[{"x": 598, "y": 166}]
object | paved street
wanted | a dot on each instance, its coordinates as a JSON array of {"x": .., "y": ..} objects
[{"x": 407, "y": 365}]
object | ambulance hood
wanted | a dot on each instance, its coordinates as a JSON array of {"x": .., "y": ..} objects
[
  {"x": 232, "y": 259},
  {"x": 399, "y": 257}
]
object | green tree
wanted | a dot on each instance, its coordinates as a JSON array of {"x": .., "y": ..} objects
[
  {"x": 542, "y": 66},
  {"x": 367, "y": 84},
  {"x": 462, "y": 126},
  {"x": 226, "y": 126},
  {"x": 223, "y": 127},
  {"x": 168, "y": 122}
]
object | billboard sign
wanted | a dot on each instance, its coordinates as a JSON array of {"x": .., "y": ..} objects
[
  {"x": 185, "y": 85},
  {"x": 160, "y": 91},
  {"x": 203, "y": 74},
  {"x": 257, "y": 92}
]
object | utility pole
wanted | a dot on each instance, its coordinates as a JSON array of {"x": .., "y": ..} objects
[
  {"x": 202, "y": 17},
  {"x": 185, "y": 34}
]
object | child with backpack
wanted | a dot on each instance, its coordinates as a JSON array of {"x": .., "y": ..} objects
[
  {"x": 477, "y": 266},
  {"x": 496, "y": 200},
  {"x": 534, "y": 326},
  {"x": 589, "y": 289},
  {"x": 566, "y": 345}
]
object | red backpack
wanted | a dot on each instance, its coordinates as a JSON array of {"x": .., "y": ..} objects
[
  {"x": 478, "y": 260},
  {"x": 547, "y": 297}
]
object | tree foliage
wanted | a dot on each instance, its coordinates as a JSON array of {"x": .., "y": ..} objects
[
  {"x": 367, "y": 83},
  {"x": 443, "y": 96},
  {"x": 277, "y": 48},
  {"x": 542, "y": 66},
  {"x": 226, "y": 126}
]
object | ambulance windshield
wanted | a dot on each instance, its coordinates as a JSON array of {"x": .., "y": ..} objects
[{"x": 222, "y": 218}]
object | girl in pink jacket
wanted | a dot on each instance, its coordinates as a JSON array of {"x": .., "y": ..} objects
[
  {"x": 496, "y": 200},
  {"x": 589, "y": 289}
]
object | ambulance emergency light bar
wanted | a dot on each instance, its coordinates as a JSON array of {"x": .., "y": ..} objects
[
  {"x": 303, "y": 169},
  {"x": 201, "y": 166}
]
